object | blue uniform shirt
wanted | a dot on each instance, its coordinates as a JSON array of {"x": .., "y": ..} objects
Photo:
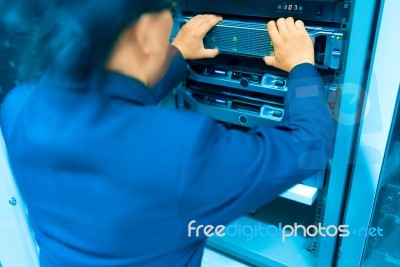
[{"x": 111, "y": 179}]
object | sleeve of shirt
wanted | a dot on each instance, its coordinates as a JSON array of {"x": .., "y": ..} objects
[
  {"x": 228, "y": 173},
  {"x": 175, "y": 74}
]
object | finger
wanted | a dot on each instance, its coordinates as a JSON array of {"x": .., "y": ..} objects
[
  {"x": 208, "y": 17},
  {"x": 281, "y": 23},
  {"x": 208, "y": 25},
  {"x": 273, "y": 31},
  {"x": 195, "y": 21},
  {"x": 197, "y": 18},
  {"x": 299, "y": 25},
  {"x": 211, "y": 20},
  {"x": 290, "y": 24},
  {"x": 270, "y": 61},
  {"x": 210, "y": 53},
  {"x": 204, "y": 20}
]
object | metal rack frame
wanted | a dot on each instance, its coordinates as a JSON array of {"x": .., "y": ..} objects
[{"x": 377, "y": 118}]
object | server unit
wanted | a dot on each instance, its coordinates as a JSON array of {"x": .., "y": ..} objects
[{"x": 239, "y": 90}]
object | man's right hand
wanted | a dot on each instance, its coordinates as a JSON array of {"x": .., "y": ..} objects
[{"x": 292, "y": 44}]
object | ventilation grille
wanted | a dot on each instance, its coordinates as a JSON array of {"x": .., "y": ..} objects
[{"x": 234, "y": 38}]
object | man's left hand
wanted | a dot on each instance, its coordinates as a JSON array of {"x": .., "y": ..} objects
[{"x": 190, "y": 38}]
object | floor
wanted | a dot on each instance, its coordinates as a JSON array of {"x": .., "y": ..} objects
[{"x": 212, "y": 258}]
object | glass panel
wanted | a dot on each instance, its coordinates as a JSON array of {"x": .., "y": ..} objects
[{"x": 383, "y": 249}]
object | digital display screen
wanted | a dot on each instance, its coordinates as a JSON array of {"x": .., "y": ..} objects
[{"x": 290, "y": 7}]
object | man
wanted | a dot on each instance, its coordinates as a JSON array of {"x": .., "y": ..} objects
[{"x": 109, "y": 178}]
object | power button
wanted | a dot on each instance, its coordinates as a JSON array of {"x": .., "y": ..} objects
[{"x": 319, "y": 11}]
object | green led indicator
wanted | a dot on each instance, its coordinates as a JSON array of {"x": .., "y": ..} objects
[
  {"x": 235, "y": 39},
  {"x": 234, "y": 49},
  {"x": 338, "y": 38}
]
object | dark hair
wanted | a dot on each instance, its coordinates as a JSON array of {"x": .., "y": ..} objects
[{"x": 75, "y": 37}]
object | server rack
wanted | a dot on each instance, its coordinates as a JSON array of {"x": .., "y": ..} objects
[
  {"x": 327, "y": 209},
  {"x": 17, "y": 244}
]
